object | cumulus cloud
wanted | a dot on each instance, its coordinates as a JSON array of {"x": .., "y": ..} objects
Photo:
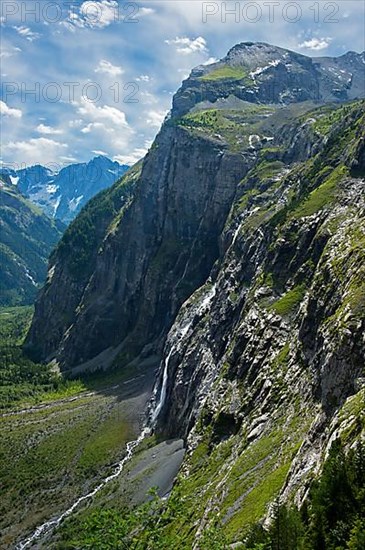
[
  {"x": 37, "y": 150},
  {"x": 138, "y": 49},
  {"x": 187, "y": 46},
  {"x": 94, "y": 14},
  {"x": 146, "y": 98},
  {"x": 93, "y": 126},
  {"x": 25, "y": 32},
  {"x": 210, "y": 61},
  {"x": 76, "y": 123},
  {"x": 103, "y": 127},
  {"x": 47, "y": 130},
  {"x": 315, "y": 44},
  {"x": 105, "y": 67},
  {"x": 5, "y": 110},
  {"x": 102, "y": 114}
]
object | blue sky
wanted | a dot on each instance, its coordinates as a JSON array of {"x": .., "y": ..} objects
[{"x": 103, "y": 72}]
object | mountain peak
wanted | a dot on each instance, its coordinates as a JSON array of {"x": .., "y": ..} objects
[{"x": 258, "y": 72}]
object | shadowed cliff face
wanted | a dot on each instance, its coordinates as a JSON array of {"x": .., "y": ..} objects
[
  {"x": 162, "y": 249},
  {"x": 153, "y": 257}
]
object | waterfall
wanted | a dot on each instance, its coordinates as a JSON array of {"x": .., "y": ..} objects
[
  {"x": 236, "y": 233},
  {"x": 162, "y": 399},
  {"x": 47, "y": 527},
  {"x": 181, "y": 335}
]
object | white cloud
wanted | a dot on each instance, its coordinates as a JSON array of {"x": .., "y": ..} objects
[
  {"x": 104, "y": 127},
  {"x": 5, "y": 53},
  {"x": 140, "y": 47},
  {"x": 25, "y": 32},
  {"x": 94, "y": 14},
  {"x": 145, "y": 11},
  {"x": 155, "y": 118},
  {"x": 105, "y": 114},
  {"x": 37, "y": 150},
  {"x": 68, "y": 159},
  {"x": 315, "y": 44},
  {"x": 47, "y": 130},
  {"x": 143, "y": 78},
  {"x": 105, "y": 67},
  {"x": 76, "y": 123},
  {"x": 5, "y": 110},
  {"x": 93, "y": 126},
  {"x": 186, "y": 46},
  {"x": 146, "y": 98},
  {"x": 100, "y": 153}
]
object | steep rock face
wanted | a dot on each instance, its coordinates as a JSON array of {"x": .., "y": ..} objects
[
  {"x": 71, "y": 266},
  {"x": 264, "y": 361},
  {"x": 161, "y": 249}
]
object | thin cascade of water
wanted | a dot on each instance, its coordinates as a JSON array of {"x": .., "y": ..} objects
[
  {"x": 160, "y": 403},
  {"x": 162, "y": 398}
]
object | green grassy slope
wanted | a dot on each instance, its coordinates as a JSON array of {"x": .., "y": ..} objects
[{"x": 27, "y": 237}]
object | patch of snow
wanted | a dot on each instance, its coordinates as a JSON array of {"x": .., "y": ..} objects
[
  {"x": 74, "y": 203},
  {"x": 51, "y": 273},
  {"x": 14, "y": 179},
  {"x": 256, "y": 72},
  {"x": 185, "y": 329},
  {"x": 261, "y": 70},
  {"x": 51, "y": 189},
  {"x": 56, "y": 205},
  {"x": 28, "y": 275}
]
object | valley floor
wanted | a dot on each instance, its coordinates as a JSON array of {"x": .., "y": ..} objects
[{"x": 53, "y": 453}]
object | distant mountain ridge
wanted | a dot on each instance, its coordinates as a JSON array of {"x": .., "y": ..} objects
[{"x": 62, "y": 194}]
